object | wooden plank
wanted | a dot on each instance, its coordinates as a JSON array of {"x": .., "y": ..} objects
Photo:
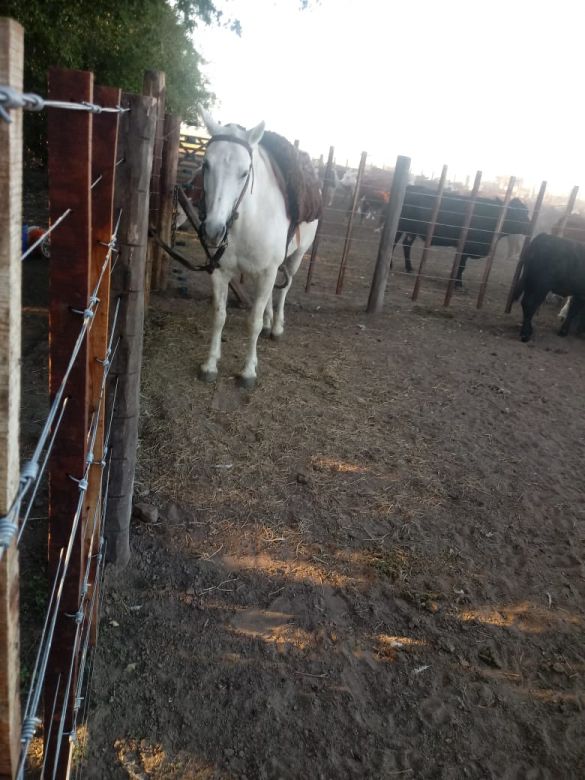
[
  {"x": 324, "y": 197},
  {"x": 104, "y": 154},
  {"x": 391, "y": 220},
  {"x": 347, "y": 243},
  {"x": 69, "y": 142},
  {"x": 138, "y": 131},
  {"x": 494, "y": 242},
  {"x": 527, "y": 240},
  {"x": 11, "y": 69},
  {"x": 430, "y": 233},
  {"x": 559, "y": 230},
  {"x": 154, "y": 85},
  {"x": 168, "y": 180},
  {"x": 462, "y": 238}
]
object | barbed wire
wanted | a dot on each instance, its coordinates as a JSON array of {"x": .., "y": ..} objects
[
  {"x": 11, "y": 98},
  {"x": 30, "y": 472}
]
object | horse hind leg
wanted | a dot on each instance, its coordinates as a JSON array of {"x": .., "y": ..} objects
[
  {"x": 531, "y": 300},
  {"x": 574, "y": 309},
  {"x": 292, "y": 264},
  {"x": 268, "y": 318},
  {"x": 220, "y": 283}
]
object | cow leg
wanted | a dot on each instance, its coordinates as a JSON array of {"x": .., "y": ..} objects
[
  {"x": 409, "y": 240},
  {"x": 264, "y": 284},
  {"x": 220, "y": 283},
  {"x": 460, "y": 269},
  {"x": 531, "y": 300},
  {"x": 575, "y": 307}
]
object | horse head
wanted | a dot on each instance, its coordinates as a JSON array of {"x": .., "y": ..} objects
[{"x": 227, "y": 168}]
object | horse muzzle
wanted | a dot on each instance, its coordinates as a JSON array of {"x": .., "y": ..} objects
[{"x": 214, "y": 232}]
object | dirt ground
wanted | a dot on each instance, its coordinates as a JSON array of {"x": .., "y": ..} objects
[{"x": 371, "y": 566}]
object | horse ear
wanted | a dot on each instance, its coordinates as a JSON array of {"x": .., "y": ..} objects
[
  {"x": 255, "y": 134},
  {"x": 213, "y": 127}
]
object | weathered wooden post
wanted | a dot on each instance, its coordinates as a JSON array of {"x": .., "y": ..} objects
[
  {"x": 11, "y": 69},
  {"x": 559, "y": 229},
  {"x": 462, "y": 238},
  {"x": 70, "y": 147},
  {"x": 325, "y": 195},
  {"x": 391, "y": 220},
  {"x": 168, "y": 180},
  {"x": 154, "y": 85},
  {"x": 494, "y": 244},
  {"x": 347, "y": 243},
  {"x": 137, "y": 138},
  {"x": 430, "y": 233},
  {"x": 104, "y": 156},
  {"x": 527, "y": 240}
]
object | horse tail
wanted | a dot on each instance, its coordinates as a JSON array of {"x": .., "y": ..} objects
[{"x": 287, "y": 278}]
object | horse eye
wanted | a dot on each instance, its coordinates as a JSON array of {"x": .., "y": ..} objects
[{"x": 243, "y": 176}]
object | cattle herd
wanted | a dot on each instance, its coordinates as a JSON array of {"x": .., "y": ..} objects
[{"x": 551, "y": 263}]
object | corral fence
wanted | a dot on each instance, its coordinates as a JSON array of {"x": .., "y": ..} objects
[
  {"x": 342, "y": 242},
  {"x": 338, "y": 231},
  {"x": 112, "y": 161}
]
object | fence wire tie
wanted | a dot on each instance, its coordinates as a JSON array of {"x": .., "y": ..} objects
[
  {"x": 77, "y": 616},
  {"x": 81, "y": 483},
  {"x": 29, "y": 726},
  {"x": 8, "y": 530}
]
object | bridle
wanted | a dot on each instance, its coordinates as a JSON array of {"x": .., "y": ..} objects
[{"x": 214, "y": 259}]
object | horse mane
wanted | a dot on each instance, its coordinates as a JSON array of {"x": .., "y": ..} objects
[{"x": 296, "y": 177}]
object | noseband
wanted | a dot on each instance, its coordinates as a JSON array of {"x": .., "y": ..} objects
[{"x": 213, "y": 259}]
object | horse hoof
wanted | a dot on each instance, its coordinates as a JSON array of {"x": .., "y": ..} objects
[
  {"x": 276, "y": 336},
  {"x": 246, "y": 382},
  {"x": 208, "y": 377},
  {"x": 266, "y": 333},
  {"x": 524, "y": 338}
]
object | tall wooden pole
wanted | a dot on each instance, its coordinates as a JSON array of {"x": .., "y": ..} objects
[
  {"x": 463, "y": 238},
  {"x": 494, "y": 243},
  {"x": 347, "y": 243},
  {"x": 527, "y": 240},
  {"x": 70, "y": 147},
  {"x": 391, "y": 220},
  {"x": 168, "y": 179},
  {"x": 154, "y": 85},
  {"x": 561, "y": 227},
  {"x": 138, "y": 131},
  {"x": 325, "y": 195},
  {"x": 430, "y": 232},
  {"x": 11, "y": 68}
]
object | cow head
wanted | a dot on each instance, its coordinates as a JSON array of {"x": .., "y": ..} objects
[{"x": 517, "y": 219}]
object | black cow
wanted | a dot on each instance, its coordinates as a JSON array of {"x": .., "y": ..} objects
[
  {"x": 417, "y": 211},
  {"x": 551, "y": 264}
]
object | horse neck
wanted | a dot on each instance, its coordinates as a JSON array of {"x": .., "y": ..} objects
[{"x": 263, "y": 194}]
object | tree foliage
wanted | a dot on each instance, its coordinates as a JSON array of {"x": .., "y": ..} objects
[{"x": 117, "y": 40}]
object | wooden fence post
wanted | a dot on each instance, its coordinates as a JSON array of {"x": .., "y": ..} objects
[
  {"x": 11, "y": 69},
  {"x": 69, "y": 136},
  {"x": 494, "y": 243},
  {"x": 391, "y": 220},
  {"x": 104, "y": 154},
  {"x": 561, "y": 227},
  {"x": 138, "y": 132},
  {"x": 347, "y": 243},
  {"x": 325, "y": 193},
  {"x": 462, "y": 238},
  {"x": 430, "y": 232},
  {"x": 168, "y": 179},
  {"x": 527, "y": 240},
  {"x": 155, "y": 86}
]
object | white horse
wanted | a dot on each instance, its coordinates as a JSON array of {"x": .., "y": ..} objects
[{"x": 244, "y": 204}]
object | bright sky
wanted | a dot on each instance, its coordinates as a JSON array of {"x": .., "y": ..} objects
[{"x": 493, "y": 85}]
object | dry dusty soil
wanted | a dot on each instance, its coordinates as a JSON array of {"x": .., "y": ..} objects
[{"x": 371, "y": 566}]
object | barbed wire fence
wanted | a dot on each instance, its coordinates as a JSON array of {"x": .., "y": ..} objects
[{"x": 100, "y": 149}]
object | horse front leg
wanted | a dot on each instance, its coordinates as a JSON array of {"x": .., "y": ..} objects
[
  {"x": 264, "y": 285},
  {"x": 268, "y": 318},
  {"x": 220, "y": 283}
]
